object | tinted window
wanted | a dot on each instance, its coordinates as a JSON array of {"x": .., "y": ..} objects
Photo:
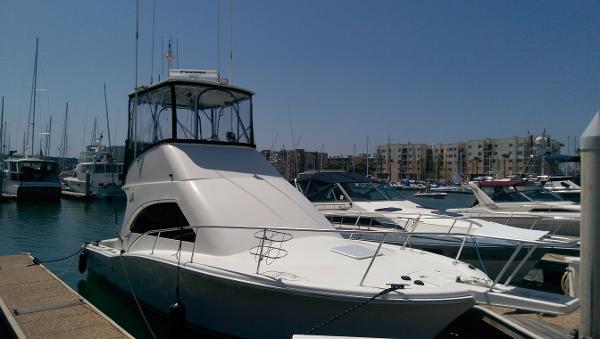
[{"x": 163, "y": 215}]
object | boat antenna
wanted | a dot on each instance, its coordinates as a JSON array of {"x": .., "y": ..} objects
[
  {"x": 353, "y": 159},
  {"x": 162, "y": 59},
  {"x": 218, "y": 40},
  {"x": 294, "y": 144},
  {"x": 63, "y": 146},
  {"x": 230, "y": 42},
  {"x": 367, "y": 156},
  {"x": 48, "y": 134},
  {"x": 170, "y": 56},
  {"x": 34, "y": 95},
  {"x": 151, "y": 54},
  {"x": 107, "y": 120},
  {"x": 177, "y": 52},
  {"x": 135, "y": 88},
  {"x": 2, "y": 130}
]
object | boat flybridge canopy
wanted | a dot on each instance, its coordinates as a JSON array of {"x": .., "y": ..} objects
[{"x": 188, "y": 110}]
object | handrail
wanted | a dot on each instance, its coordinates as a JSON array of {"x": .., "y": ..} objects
[
  {"x": 519, "y": 243},
  {"x": 555, "y": 243}
]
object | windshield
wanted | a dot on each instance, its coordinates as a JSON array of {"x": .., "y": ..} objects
[
  {"x": 389, "y": 191},
  {"x": 537, "y": 194},
  {"x": 363, "y": 191}
]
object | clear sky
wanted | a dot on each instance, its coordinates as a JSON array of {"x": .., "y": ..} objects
[{"x": 420, "y": 71}]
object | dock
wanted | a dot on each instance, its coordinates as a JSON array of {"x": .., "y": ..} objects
[
  {"x": 34, "y": 303},
  {"x": 519, "y": 324}
]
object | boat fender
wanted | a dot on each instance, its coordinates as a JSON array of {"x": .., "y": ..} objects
[
  {"x": 83, "y": 255},
  {"x": 177, "y": 319}
]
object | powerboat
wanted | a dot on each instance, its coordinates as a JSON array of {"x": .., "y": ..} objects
[
  {"x": 353, "y": 201},
  {"x": 213, "y": 236},
  {"x": 562, "y": 186},
  {"x": 96, "y": 174},
  {"x": 523, "y": 204},
  {"x": 30, "y": 178}
]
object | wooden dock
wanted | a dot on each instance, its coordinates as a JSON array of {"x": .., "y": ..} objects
[
  {"x": 519, "y": 324},
  {"x": 34, "y": 303}
]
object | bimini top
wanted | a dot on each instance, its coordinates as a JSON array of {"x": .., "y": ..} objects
[
  {"x": 332, "y": 177},
  {"x": 182, "y": 110},
  {"x": 196, "y": 83}
]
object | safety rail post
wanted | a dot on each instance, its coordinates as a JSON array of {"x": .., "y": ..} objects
[
  {"x": 453, "y": 223},
  {"x": 518, "y": 268},
  {"x": 155, "y": 240},
  {"x": 508, "y": 263},
  {"x": 462, "y": 245},
  {"x": 262, "y": 245},
  {"x": 194, "y": 247},
  {"x": 509, "y": 218},
  {"x": 373, "y": 259},
  {"x": 535, "y": 222}
]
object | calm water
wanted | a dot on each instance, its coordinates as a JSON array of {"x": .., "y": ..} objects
[{"x": 50, "y": 231}]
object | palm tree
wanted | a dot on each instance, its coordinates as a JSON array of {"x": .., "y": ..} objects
[{"x": 477, "y": 160}]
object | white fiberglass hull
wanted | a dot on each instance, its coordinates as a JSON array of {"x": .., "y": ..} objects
[
  {"x": 249, "y": 310},
  {"x": 97, "y": 188},
  {"x": 568, "y": 225}
]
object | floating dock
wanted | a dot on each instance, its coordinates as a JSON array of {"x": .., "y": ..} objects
[
  {"x": 518, "y": 324},
  {"x": 34, "y": 303}
]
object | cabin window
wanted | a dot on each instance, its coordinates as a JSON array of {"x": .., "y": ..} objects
[{"x": 160, "y": 216}]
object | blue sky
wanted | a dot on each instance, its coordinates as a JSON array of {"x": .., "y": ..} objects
[{"x": 421, "y": 71}]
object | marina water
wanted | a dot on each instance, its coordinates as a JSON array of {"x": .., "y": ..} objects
[{"x": 52, "y": 231}]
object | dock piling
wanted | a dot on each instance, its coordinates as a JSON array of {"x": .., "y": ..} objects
[{"x": 590, "y": 232}]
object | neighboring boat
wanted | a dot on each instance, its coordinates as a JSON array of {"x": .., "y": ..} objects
[
  {"x": 30, "y": 179},
  {"x": 430, "y": 195},
  {"x": 353, "y": 201},
  {"x": 259, "y": 261},
  {"x": 96, "y": 174},
  {"x": 562, "y": 186},
  {"x": 523, "y": 204}
]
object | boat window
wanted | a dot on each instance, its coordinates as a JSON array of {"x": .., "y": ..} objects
[
  {"x": 203, "y": 113},
  {"x": 331, "y": 193},
  {"x": 389, "y": 191},
  {"x": 13, "y": 166},
  {"x": 505, "y": 194},
  {"x": 542, "y": 195},
  {"x": 160, "y": 216},
  {"x": 85, "y": 169},
  {"x": 363, "y": 191},
  {"x": 36, "y": 170}
]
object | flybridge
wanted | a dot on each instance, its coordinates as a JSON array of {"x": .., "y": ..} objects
[{"x": 185, "y": 108}]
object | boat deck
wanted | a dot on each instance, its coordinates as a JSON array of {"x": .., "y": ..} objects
[{"x": 34, "y": 303}]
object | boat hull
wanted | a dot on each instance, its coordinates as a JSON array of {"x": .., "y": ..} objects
[{"x": 247, "y": 310}]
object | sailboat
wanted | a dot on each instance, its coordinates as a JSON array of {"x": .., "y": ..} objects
[{"x": 29, "y": 177}]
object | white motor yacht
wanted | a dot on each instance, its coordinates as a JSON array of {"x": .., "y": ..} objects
[
  {"x": 30, "y": 179},
  {"x": 353, "y": 201},
  {"x": 214, "y": 231},
  {"x": 96, "y": 174},
  {"x": 522, "y": 204},
  {"x": 562, "y": 186}
]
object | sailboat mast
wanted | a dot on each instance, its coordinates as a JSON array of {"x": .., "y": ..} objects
[
  {"x": 2, "y": 130},
  {"x": 34, "y": 94}
]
